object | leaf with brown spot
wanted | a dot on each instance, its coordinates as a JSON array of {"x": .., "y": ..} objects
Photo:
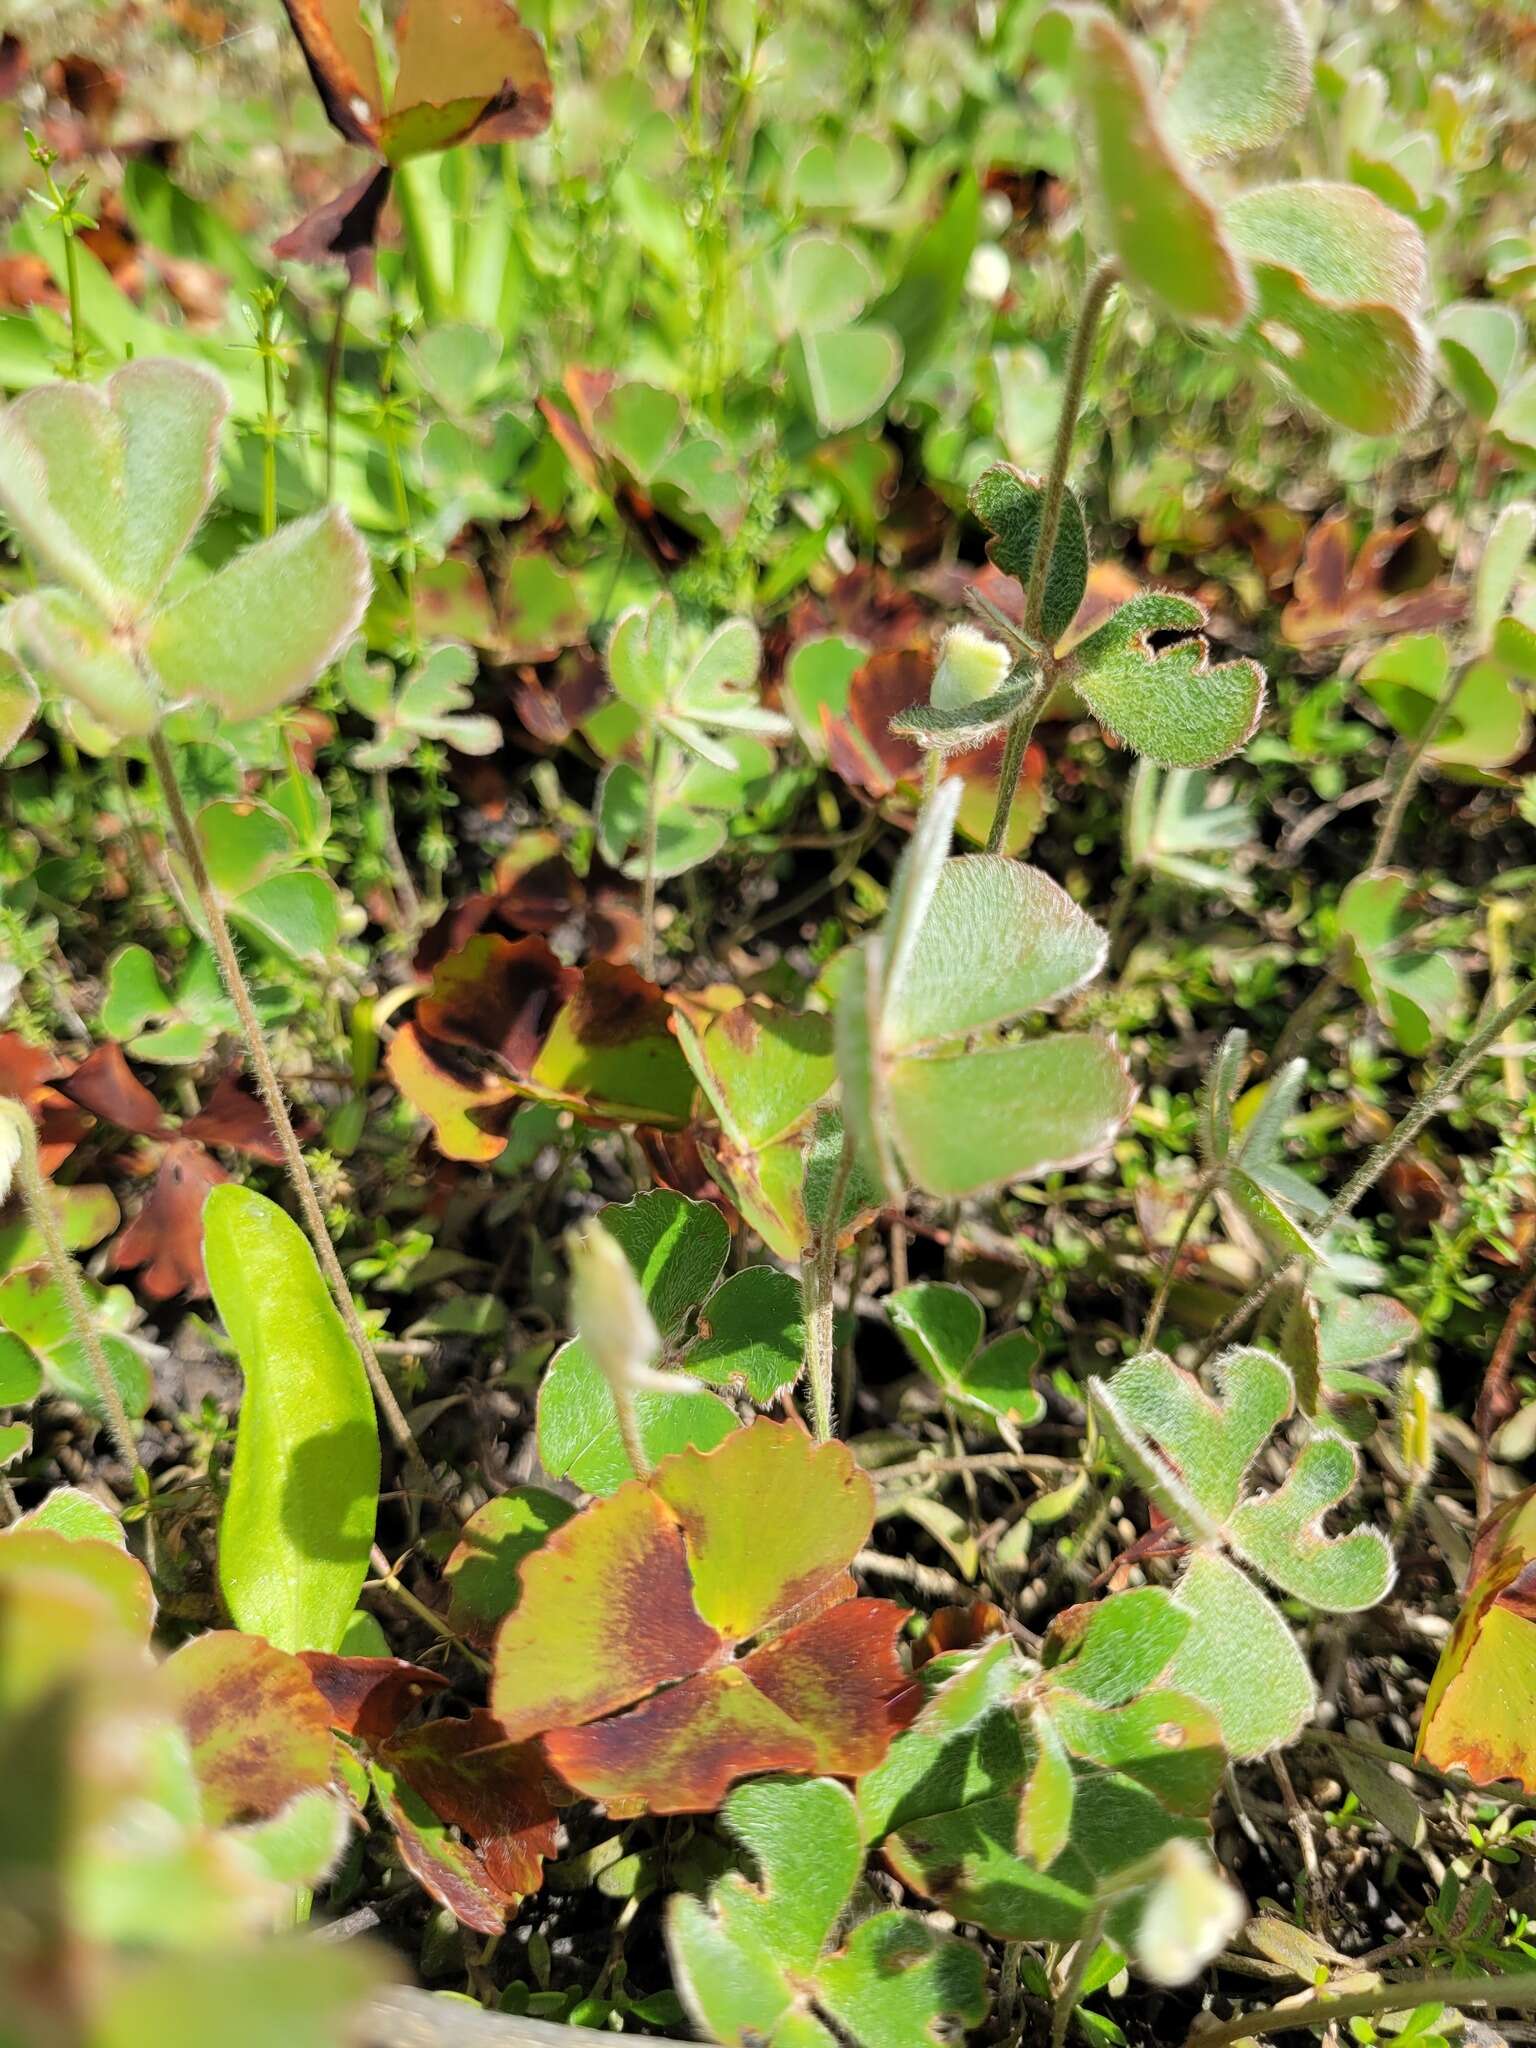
[
  {"x": 166, "y": 1237},
  {"x": 506, "y": 1017},
  {"x": 674, "y": 1579},
  {"x": 1392, "y": 585},
  {"x": 1480, "y": 1711},
  {"x": 369, "y": 1696},
  {"x": 259, "y": 1729}
]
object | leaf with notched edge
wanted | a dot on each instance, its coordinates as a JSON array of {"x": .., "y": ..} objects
[
  {"x": 645, "y": 1600},
  {"x": 506, "y": 1018},
  {"x": 1172, "y": 706}
]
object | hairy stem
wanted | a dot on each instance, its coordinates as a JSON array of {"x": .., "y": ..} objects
[
  {"x": 1204, "y": 1188},
  {"x": 648, "y": 856},
  {"x": 1403, "y": 1994},
  {"x": 1377, "y": 1162},
  {"x": 272, "y": 1095},
  {"x": 38, "y": 1197},
  {"x": 1403, "y": 777},
  {"x": 817, "y": 1274},
  {"x": 333, "y": 383},
  {"x": 1100, "y": 285},
  {"x": 628, "y": 1417}
]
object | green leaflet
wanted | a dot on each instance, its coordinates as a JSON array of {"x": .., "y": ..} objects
[
  {"x": 303, "y": 1491},
  {"x": 1172, "y": 706}
]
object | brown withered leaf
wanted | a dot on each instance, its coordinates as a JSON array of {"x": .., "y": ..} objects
[
  {"x": 1392, "y": 585},
  {"x": 958, "y": 1628},
  {"x": 106, "y": 1085},
  {"x": 234, "y": 1117},
  {"x": 166, "y": 1237},
  {"x": 536, "y": 892},
  {"x": 369, "y": 1696},
  {"x": 27, "y": 1074}
]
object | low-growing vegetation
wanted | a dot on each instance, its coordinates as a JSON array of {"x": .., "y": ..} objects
[{"x": 767, "y": 1158}]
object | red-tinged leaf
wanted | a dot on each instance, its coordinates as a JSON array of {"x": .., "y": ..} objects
[
  {"x": 338, "y": 49},
  {"x": 746, "y": 1576},
  {"x": 605, "y": 1617},
  {"x": 25, "y": 1074},
  {"x": 1480, "y": 1711},
  {"x": 682, "y": 1750},
  {"x": 259, "y": 1729},
  {"x": 675, "y": 1574},
  {"x": 106, "y": 1085},
  {"x": 498, "y": 996},
  {"x": 499, "y": 1795},
  {"x": 1393, "y": 585},
  {"x": 443, "y": 1865},
  {"x": 369, "y": 1696},
  {"x": 537, "y": 893},
  {"x": 551, "y": 712},
  {"x": 467, "y": 1108},
  {"x": 346, "y": 227},
  {"x": 474, "y": 73},
  {"x": 234, "y": 1117},
  {"x": 166, "y": 1237},
  {"x": 594, "y": 1040},
  {"x": 840, "y": 1680}
]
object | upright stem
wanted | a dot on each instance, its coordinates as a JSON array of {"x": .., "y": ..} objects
[
  {"x": 648, "y": 882},
  {"x": 1377, "y": 1162},
  {"x": 277, "y": 1109},
  {"x": 1082, "y": 1955},
  {"x": 1100, "y": 285},
  {"x": 1410, "y": 764},
  {"x": 38, "y": 1196},
  {"x": 333, "y": 383},
  {"x": 818, "y": 1273},
  {"x": 628, "y": 1417},
  {"x": 1204, "y": 1188}
]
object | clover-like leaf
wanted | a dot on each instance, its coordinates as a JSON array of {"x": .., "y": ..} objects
[
  {"x": 174, "y": 1026},
  {"x": 942, "y": 1326},
  {"x": 732, "y": 1641},
  {"x": 971, "y": 1801},
  {"x": 1244, "y": 78},
  {"x": 1480, "y": 1711},
  {"x": 752, "y": 1962},
  {"x": 260, "y": 1732},
  {"x": 264, "y": 881},
  {"x": 484, "y": 1568},
  {"x": 1167, "y": 234},
  {"x": 106, "y": 484},
  {"x": 1485, "y": 725},
  {"x": 41, "y": 1345},
  {"x": 763, "y": 1070},
  {"x": 1340, "y": 283},
  {"x": 1172, "y": 705},
  {"x": 429, "y": 702},
  {"x": 1481, "y": 344},
  {"x": 1417, "y": 994},
  {"x": 1239, "y": 1657},
  {"x": 678, "y": 1249},
  {"x": 1192, "y": 1453},
  {"x": 506, "y": 1019},
  {"x": 968, "y": 945},
  {"x": 1009, "y": 505}
]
